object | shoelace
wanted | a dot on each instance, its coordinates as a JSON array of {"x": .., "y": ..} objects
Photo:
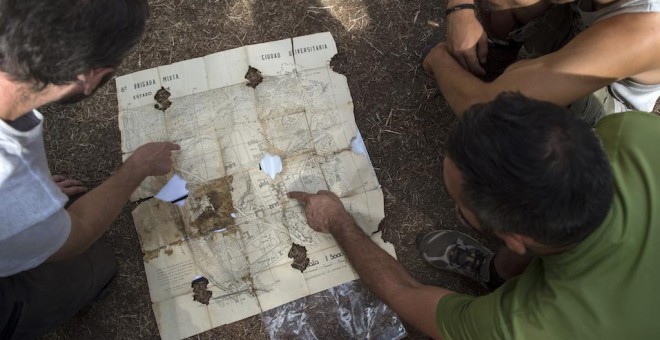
[{"x": 467, "y": 259}]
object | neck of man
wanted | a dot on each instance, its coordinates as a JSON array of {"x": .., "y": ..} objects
[
  {"x": 19, "y": 98},
  {"x": 541, "y": 249}
]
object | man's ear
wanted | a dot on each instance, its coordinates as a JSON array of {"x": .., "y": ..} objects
[
  {"x": 90, "y": 80},
  {"x": 515, "y": 242}
]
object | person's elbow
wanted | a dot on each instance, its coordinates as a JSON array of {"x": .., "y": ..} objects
[
  {"x": 416, "y": 304},
  {"x": 76, "y": 243}
]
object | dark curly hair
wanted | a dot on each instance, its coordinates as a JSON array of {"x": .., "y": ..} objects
[
  {"x": 532, "y": 169},
  {"x": 53, "y": 41}
]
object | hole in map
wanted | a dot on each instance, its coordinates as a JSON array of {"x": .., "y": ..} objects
[
  {"x": 338, "y": 64},
  {"x": 357, "y": 145},
  {"x": 253, "y": 77},
  {"x": 271, "y": 165},
  {"x": 174, "y": 191},
  {"x": 201, "y": 293},
  {"x": 162, "y": 98},
  {"x": 299, "y": 255}
]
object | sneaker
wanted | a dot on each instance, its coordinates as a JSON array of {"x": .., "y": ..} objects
[{"x": 454, "y": 251}]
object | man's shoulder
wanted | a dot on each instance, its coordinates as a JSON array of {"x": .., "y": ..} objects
[
  {"x": 522, "y": 308},
  {"x": 590, "y": 17},
  {"x": 461, "y": 316},
  {"x": 27, "y": 200},
  {"x": 28, "y": 193},
  {"x": 632, "y": 129},
  {"x": 531, "y": 306},
  {"x": 619, "y": 26}
]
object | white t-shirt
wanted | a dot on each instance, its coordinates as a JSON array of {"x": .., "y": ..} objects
[
  {"x": 33, "y": 221},
  {"x": 629, "y": 94}
]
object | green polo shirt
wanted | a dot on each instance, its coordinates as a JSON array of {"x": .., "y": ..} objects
[{"x": 608, "y": 287}]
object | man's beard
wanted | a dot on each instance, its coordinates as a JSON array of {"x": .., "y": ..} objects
[{"x": 76, "y": 97}]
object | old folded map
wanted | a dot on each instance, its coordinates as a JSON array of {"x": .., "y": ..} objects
[{"x": 236, "y": 230}]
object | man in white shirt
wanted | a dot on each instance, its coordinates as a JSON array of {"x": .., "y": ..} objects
[{"x": 50, "y": 262}]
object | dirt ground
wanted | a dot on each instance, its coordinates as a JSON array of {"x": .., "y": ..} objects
[{"x": 399, "y": 110}]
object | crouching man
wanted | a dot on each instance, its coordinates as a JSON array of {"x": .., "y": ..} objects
[
  {"x": 575, "y": 209},
  {"x": 51, "y": 264}
]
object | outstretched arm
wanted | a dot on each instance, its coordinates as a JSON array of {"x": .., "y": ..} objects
[
  {"x": 93, "y": 213},
  {"x": 597, "y": 57},
  {"x": 385, "y": 276}
]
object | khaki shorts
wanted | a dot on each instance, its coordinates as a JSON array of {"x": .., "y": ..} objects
[
  {"x": 595, "y": 106},
  {"x": 550, "y": 32}
]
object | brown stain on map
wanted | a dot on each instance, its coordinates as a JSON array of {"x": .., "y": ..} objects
[
  {"x": 162, "y": 223},
  {"x": 168, "y": 250},
  {"x": 212, "y": 205},
  {"x": 248, "y": 279},
  {"x": 231, "y": 230},
  {"x": 150, "y": 255}
]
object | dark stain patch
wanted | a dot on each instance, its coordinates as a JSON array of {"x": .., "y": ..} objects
[
  {"x": 250, "y": 282},
  {"x": 162, "y": 97},
  {"x": 253, "y": 77},
  {"x": 200, "y": 292},
  {"x": 299, "y": 255},
  {"x": 339, "y": 64},
  {"x": 248, "y": 279},
  {"x": 231, "y": 230},
  {"x": 154, "y": 228},
  {"x": 212, "y": 204},
  {"x": 150, "y": 255}
]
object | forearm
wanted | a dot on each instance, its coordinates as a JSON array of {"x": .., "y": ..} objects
[
  {"x": 377, "y": 269},
  {"x": 389, "y": 280},
  {"x": 581, "y": 67},
  {"x": 384, "y": 275},
  {"x": 538, "y": 78},
  {"x": 98, "y": 208},
  {"x": 452, "y": 3},
  {"x": 460, "y": 88},
  {"x": 92, "y": 214}
]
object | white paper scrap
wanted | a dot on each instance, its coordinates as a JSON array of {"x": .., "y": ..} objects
[
  {"x": 174, "y": 191},
  {"x": 357, "y": 145},
  {"x": 271, "y": 164}
]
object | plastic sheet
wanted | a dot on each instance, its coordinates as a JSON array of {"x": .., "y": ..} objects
[{"x": 348, "y": 311}]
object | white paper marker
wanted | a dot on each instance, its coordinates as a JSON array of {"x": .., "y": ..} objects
[
  {"x": 174, "y": 191},
  {"x": 357, "y": 145},
  {"x": 271, "y": 164}
]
